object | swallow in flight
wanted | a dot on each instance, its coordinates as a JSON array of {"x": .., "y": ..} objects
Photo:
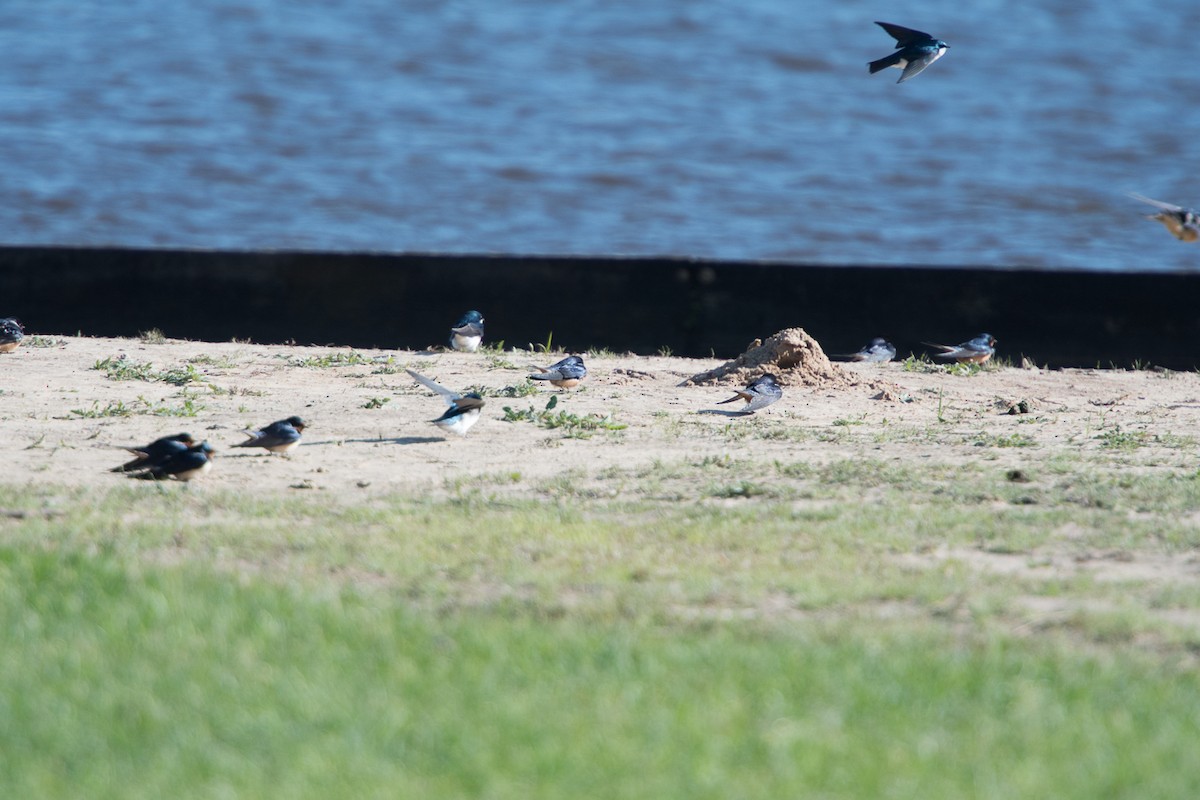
[
  {"x": 1183, "y": 223},
  {"x": 915, "y": 50}
]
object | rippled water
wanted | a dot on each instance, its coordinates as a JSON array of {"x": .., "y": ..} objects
[{"x": 744, "y": 130}]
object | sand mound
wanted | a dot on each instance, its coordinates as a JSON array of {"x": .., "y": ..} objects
[{"x": 793, "y": 357}]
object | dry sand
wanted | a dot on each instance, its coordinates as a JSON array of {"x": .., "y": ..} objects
[{"x": 352, "y": 449}]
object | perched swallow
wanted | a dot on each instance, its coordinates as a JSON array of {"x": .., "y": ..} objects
[
  {"x": 915, "y": 50},
  {"x": 185, "y": 465},
  {"x": 278, "y": 437},
  {"x": 878, "y": 351},
  {"x": 468, "y": 333},
  {"x": 156, "y": 452},
  {"x": 759, "y": 393},
  {"x": 11, "y": 334},
  {"x": 464, "y": 409},
  {"x": 565, "y": 374},
  {"x": 976, "y": 351},
  {"x": 1183, "y": 223}
]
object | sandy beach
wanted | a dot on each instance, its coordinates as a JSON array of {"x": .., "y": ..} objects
[{"x": 68, "y": 404}]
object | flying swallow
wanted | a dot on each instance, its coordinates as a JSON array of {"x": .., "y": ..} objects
[
  {"x": 468, "y": 332},
  {"x": 11, "y": 334},
  {"x": 976, "y": 351},
  {"x": 278, "y": 437},
  {"x": 464, "y": 409},
  {"x": 1183, "y": 223},
  {"x": 565, "y": 374},
  {"x": 156, "y": 452},
  {"x": 759, "y": 393},
  {"x": 878, "y": 351},
  {"x": 915, "y": 50},
  {"x": 182, "y": 466}
]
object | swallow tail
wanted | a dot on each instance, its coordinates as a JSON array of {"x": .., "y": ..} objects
[{"x": 890, "y": 60}]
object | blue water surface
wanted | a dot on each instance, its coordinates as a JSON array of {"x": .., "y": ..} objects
[{"x": 733, "y": 130}]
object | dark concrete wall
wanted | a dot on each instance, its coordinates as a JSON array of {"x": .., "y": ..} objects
[{"x": 692, "y": 307}]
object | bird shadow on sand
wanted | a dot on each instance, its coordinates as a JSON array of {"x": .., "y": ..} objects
[
  {"x": 720, "y": 412},
  {"x": 396, "y": 440}
]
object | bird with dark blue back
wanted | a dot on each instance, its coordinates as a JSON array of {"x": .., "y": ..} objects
[
  {"x": 467, "y": 334},
  {"x": 915, "y": 50}
]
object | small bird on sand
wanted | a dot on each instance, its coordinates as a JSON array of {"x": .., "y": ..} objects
[
  {"x": 759, "y": 393},
  {"x": 878, "y": 351},
  {"x": 464, "y": 409},
  {"x": 281, "y": 436},
  {"x": 1183, "y": 223},
  {"x": 186, "y": 465},
  {"x": 976, "y": 351},
  {"x": 156, "y": 452},
  {"x": 11, "y": 334},
  {"x": 467, "y": 334},
  {"x": 565, "y": 374},
  {"x": 915, "y": 50}
]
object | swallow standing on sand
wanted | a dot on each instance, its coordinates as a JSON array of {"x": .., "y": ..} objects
[
  {"x": 878, "y": 351},
  {"x": 156, "y": 452},
  {"x": 915, "y": 50},
  {"x": 565, "y": 374},
  {"x": 759, "y": 393},
  {"x": 468, "y": 333},
  {"x": 976, "y": 351},
  {"x": 278, "y": 437},
  {"x": 1183, "y": 223},
  {"x": 185, "y": 465},
  {"x": 11, "y": 334},
  {"x": 464, "y": 409}
]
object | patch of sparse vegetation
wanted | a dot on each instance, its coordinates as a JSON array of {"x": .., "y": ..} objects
[
  {"x": 572, "y": 425},
  {"x": 377, "y": 402},
  {"x": 121, "y": 368},
  {"x": 216, "y": 362},
  {"x": 188, "y": 406},
  {"x": 1117, "y": 439},
  {"x": 152, "y": 336},
  {"x": 351, "y": 358},
  {"x": 96, "y": 411},
  {"x": 43, "y": 341},
  {"x": 1004, "y": 440}
]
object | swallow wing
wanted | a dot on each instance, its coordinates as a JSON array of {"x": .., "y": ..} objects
[
  {"x": 469, "y": 329},
  {"x": 446, "y": 394},
  {"x": 904, "y": 36},
  {"x": 917, "y": 65},
  {"x": 1157, "y": 203},
  {"x": 761, "y": 399}
]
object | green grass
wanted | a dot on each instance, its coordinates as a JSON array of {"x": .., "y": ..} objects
[
  {"x": 136, "y": 682},
  {"x": 712, "y": 627}
]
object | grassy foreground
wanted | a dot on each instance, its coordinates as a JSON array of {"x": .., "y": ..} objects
[{"x": 791, "y": 634}]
